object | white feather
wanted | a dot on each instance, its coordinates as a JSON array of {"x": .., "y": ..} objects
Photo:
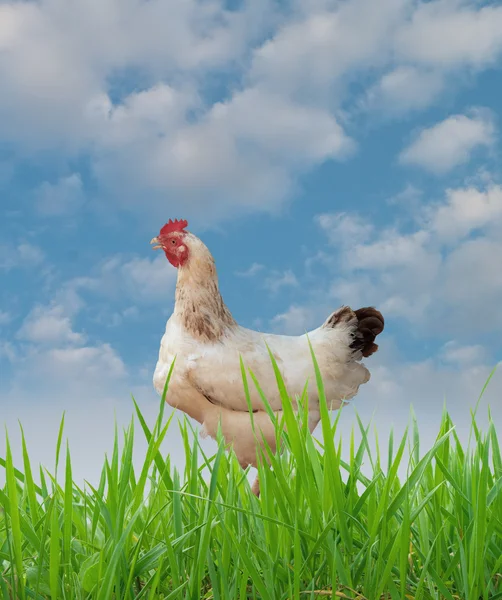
[
  {"x": 213, "y": 370},
  {"x": 207, "y": 384}
]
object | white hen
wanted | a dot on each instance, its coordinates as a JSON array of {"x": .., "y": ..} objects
[{"x": 206, "y": 382}]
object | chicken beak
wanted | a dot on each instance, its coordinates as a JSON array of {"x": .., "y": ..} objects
[{"x": 155, "y": 241}]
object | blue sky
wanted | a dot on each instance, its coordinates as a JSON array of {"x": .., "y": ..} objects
[{"x": 327, "y": 152}]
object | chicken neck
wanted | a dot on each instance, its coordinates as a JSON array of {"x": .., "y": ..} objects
[{"x": 199, "y": 306}]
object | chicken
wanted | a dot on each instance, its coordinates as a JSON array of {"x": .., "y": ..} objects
[{"x": 207, "y": 344}]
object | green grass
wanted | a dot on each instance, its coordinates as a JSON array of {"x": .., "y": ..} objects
[{"x": 321, "y": 528}]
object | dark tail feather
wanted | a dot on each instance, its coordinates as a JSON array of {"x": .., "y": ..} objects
[{"x": 370, "y": 323}]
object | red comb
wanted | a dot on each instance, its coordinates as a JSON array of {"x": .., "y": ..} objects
[{"x": 176, "y": 225}]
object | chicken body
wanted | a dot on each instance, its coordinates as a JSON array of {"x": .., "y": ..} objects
[{"x": 206, "y": 344}]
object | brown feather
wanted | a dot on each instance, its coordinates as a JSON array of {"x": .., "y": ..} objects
[{"x": 370, "y": 323}]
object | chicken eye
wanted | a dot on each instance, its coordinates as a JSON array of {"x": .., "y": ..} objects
[{"x": 173, "y": 242}]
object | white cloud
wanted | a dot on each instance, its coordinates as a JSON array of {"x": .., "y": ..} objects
[
  {"x": 286, "y": 130},
  {"x": 344, "y": 228},
  {"x": 24, "y": 255},
  {"x": 274, "y": 280},
  {"x": 467, "y": 210},
  {"x": 309, "y": 52},
  {"x": 437, "y": 277},
  {"x": 133, "y": 100},
  {"x": 452, "y": 33},
  {"x": 308, "y": 57},
  {"x": 277, "y": 280},
  {"x": 141, "y": 280},
  {"x": 420, "y": 47},
  {"x": 49, "y": 325},
  {"x": 295, "y": 321},
  {"x": 53, "y": 368},
  {"x": 90, "y": 385},
  {"x": 59, "y": 370},
  {"x": 29, "y": 254},
  {"x": 240, "y": 154},
  {"x": 160, "y": 110},
  {"x": 471, "y": 285},
  {"x": 50, "y": 72},
  {"x": 7, "y": 351},
  {"x": 450, "y": 143},
  {"x": 84, "y": 362},
  {"x": 149, "y": 279},
  {"x": 409, "y": 197},
  {"x": 91, "y": 412},
  {"x": 61, "y": 198},
  {"x": 251, "y": 271},
  {"x": 405, "y": 88},
  {"x": 391, "y": 250},
  {"x": 463, "y": 356},
  {"x": 5, "y": 317}
]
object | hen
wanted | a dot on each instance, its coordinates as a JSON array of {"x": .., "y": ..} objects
[{"x": 207, "y": 342}]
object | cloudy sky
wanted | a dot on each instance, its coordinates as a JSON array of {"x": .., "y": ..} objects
[{"x": 326, "y": 151}]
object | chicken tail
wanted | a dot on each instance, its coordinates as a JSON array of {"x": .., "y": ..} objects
[{"x": 367, "y": 323}]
